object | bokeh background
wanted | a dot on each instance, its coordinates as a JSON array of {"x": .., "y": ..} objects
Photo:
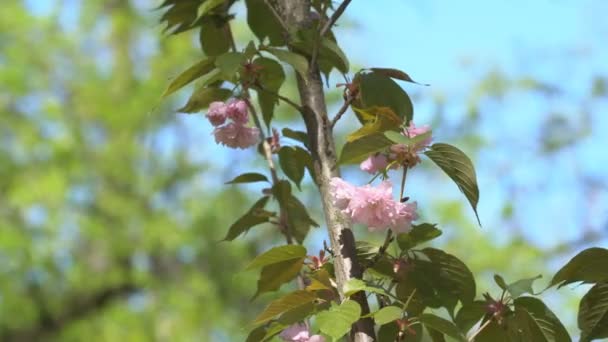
[{"x": 112, "y": 205}]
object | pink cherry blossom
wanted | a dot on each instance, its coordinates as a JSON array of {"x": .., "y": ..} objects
[
  {"x": 412, "y": 131},
  {"x": 217, "y": 113},
  {"x": 372, "y": 206},
  {"x": 299, "y": 333},
  {"x": 236, "y": 136},
  {"x": 341, "y": 192},
  {"x": 237, "y": 111},
  {"x": 374, "y": 163}
]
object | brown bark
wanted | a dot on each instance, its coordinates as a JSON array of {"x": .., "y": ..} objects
[{"x": 295, "y": 14}]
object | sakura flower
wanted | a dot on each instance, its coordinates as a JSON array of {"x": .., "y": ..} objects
[
  {"x": 217, "y": 113},
  {"x": 374, "y": 163},
  {"x": 236, "y": 136},
  {"x": 372, "y": 206},
  {"x": 299, "y": 333},
  {"x": 237, "y": 111}
]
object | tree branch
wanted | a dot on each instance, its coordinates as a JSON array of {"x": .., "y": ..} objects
[
  {"x": 295, "y": 14},
  {"x": 334, "y": 17}
]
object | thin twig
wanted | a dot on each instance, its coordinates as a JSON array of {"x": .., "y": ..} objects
[
  {"x": 281, "y": 97},
  {"x": 334, "y": 17},
  {"x": 472, "y": 338},
  {"x": 342, "y": 110}
]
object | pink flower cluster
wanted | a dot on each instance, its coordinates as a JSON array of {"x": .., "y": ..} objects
[
  {"x": 299, "y": 333},
  {"x": 234, "y": 134},
  {"x": 373, "y": 206},
  {"x": 399, "y": 153}
]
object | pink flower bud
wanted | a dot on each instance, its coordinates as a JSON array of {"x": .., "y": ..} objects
[
  {"x": 217, "y": 113},
  {"x": 237, "y": 111}
]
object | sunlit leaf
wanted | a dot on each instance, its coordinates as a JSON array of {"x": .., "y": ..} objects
[
  {"x": 336, "y": 322},
  {"x": 418, "y": 234},
  {"x": 379, "y": 90},
  {"x": 276, "y": 274},
  {"x": 358, "y": 150},
  {"x": 207, "y": 6},
  {"x": 278, "y": 254},
  {"x": 387, "y": 314},
  {"x": 380, "y": 119},
  {"x": 284, "y": 304},
  {"x": 522, "y": 286},
  {"x": 197, "y": 70}
]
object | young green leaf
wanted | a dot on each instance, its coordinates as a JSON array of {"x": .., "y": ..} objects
[
  {"x": 271, "y": 78},
  {"x": 522, "y": 286},
  {"x": 276, "y": 255},
  {"x": 418, "y": 234},
  {"x": 500, "y": 281},
  {"x": 229, "y": 64},
  {"x": 297, "y": 62},
  {"x": 202, "y": 98},
  {"x": 250, "y": 177},
  {"x": 284, "y": 304},
  {"x": 399, "y": 138},
  {"x": 459, "y": 168},
  {"x": 358, "y": 150},
  {"x": 336, "y": 322},
  {"x": 256, "y": 215},
  {"x": 197, "y": 70},
  {"x": 593, "y": 313},
  {"x": 589, "y": 266},
  {"x": 387, "y": 314},
  {"x": 379, "y": 120},
  {"x": 332, "y": 52},
  {"x": 292, "y": 166},
  {"x": 276, "y": 274}
]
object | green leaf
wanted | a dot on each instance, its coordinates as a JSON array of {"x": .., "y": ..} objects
[
  {"x": 459, "y": 168},
  {"x": 213, "y": 37},
  {"x": 388, "y": 333},
  {"x": 297, "y": 62},
  {"x": 470, "y": 314},
  {"x": 197, "y": 70},
  {"x": 387, "y": 314},
  {"x": 399, "y": 138},
  {"x": 442, "y": 325},
  {"x": 253, "y": 217},
  {"x": 250, "y": 177},
  {"x": 444, "y": 280},
  {"x": 380, "y": 119},
  {"x": 291, "y": 164},
  {"x": 207, "y": 6},
  {"x": 379, "y": 90},
  {"x": 332, "y": 52},
  {"x": 549, "y": 324},
  {"x": 355, "y": 285},
  {"x": 358, "y": 150},
  {"x": 298, "y": 314},
  {"x": 396, "y": 74},
  {"x": 276, "y": 274},
  {"x": 271, "y": 78},
  {"x": 263, "y": 23},
  {"x": 336, "y": 322},
  {"x": 296, "y": 135},
  {"x": 229, "y": 64},
  {"x": 284, "y": 304},
  {"x": 522, "y": 286},
  {"x": 500, "y": 281},
  {"x": 202, "y": 97},
  {"x": 299, "y": 219},
  {"x": 436, "y": 335},
  {"x": 593, "y": 313},
  {"x": 418, "y": 234},
  {"x": 495, "y": 333},
  {"x": 589, "y": 266},
  {"x": 276, "y": 255}
]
